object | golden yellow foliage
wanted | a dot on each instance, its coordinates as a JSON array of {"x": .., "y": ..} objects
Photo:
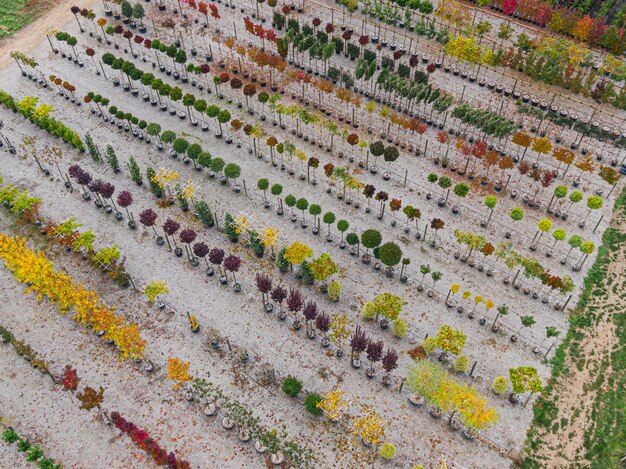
[
  {"x": 178, "y": 370},
  {"x": 35, "y": 270}
]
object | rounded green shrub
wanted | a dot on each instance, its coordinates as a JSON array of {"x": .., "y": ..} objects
[
  {"x": 311, "y": 401},
  {"x": 387, "y": 451},
  {"x": 292, "y": 386},
  {"x": 461, "y": 364},
  {"x": 399, "y": 328}
]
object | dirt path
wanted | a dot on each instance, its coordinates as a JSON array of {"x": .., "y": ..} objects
[
  {"x": 567, "y": 437},
  {"x": 32, "y": 35}
]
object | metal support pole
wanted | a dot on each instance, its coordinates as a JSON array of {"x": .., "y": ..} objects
[
  {"x": 597, "y": 224},
  {"x": 567, "y": 302}
]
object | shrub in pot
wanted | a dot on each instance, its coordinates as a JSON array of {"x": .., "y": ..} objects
[
  {"x": 292, "y": 386},
  {"x": 311, "y": 402},
  {"x": 334, "y": 290},
  {"x": 387, "y": 451},
  {"x": 461, "y": 364},
  {"x": 500, "y": 385},
  {"x": 399, "y": 328}
]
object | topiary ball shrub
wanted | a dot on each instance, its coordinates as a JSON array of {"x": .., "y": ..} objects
[
  {"x": 399, "y": 328},
  {"x": 311, "y": 401},
  {"x": 429, "y": 344},
  {"x": 387, "y": 451},
  {"x": 292, "y": 386},
  {"x": 461, "y": 364},
  {"x": 334, "y": 291},
  {"x": 500, "y": 385}
]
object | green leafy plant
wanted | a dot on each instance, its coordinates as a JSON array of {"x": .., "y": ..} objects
[
  {"x": 292, "y": 386},
  {"x": 311, "y": 402}
]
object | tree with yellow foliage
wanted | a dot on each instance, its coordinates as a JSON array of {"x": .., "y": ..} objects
[
  {"x": 333, "y": 404},
  {"x": 475, "y": 409},
  {"x": 35, "y": 270},
  {"x": 369, "y": 426},
  {"x": 154, "y": 289},
  {"x": 541, "y": 146},
  {"x": 523, "y": 140},
  {"x": 178, "y": 370},
  {"x": 297, "y": 253}
]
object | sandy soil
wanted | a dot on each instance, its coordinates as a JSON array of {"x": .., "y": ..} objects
[
  {"x": 32, "y": 35},
  {"x": 576, "y": 396}
]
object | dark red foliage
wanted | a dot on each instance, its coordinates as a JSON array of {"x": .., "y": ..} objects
[
  {"x": 236, "y": 83},
  {"x": 83, "y": 178},
  {"x": 232, "y": 263},
  {"x": 322, "y": 322},
  {"x": 359, "y": 340},
  {"x": 95, "y": 186},
  {"x": 204, "y": 68},
  {"x": 90, "y": 52},
  {"x": 128, "y": 34},
  {"x": 328, "y": 169},
  {"x": 347, "y": 35},
  {"x": 148, "y": 217},
  {"x": 263, "y": 282},
  {"x": 216, "y": 256},
  {"x": 295, "y": 300},
  {"x": 310, "y": 310},
  {"x": 170, "y": 226},
  {"x": 75, "y": 9},
  {"x": 119, "y": 29},
  {"x": 200, "y": 249},
  {"x": 107, "y": 189},
  {"x": 188, "y": 236},
  {"x": 375, "y": 350},
  {"x": 316, "y": 22},
  {"x": 224, "y": 77},
  {"x": 330, "y": 28},
  {"x": 147, "y": 43},
  {"x": 124, "y": 199},
  {"x": 278, "y": 294},
  {"x": 74, "y": 170},
  {"x": 390, "y": 360},
  {"x": 431, "y": 68},
  {"x": 138, "y": 39}
]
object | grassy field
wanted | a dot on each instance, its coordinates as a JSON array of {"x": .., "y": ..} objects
[
  {"x": 595, "y": 419},
  {"x": 15, "y": 14}
]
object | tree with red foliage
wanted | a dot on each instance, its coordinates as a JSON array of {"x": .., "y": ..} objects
[
  {"x": 310, "y": 313},
  {"x": 278, "y": 294},
  {"x": 70, "y": 378},
  {"x": 187, "y": 237},
  {"x": 358, "y": 343},
  {"x": 232, "y": 264},
  {"x": 264, "y": 285},
  {"x": 148, "y": 218},
  {"x": 509, "y": 7}
]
